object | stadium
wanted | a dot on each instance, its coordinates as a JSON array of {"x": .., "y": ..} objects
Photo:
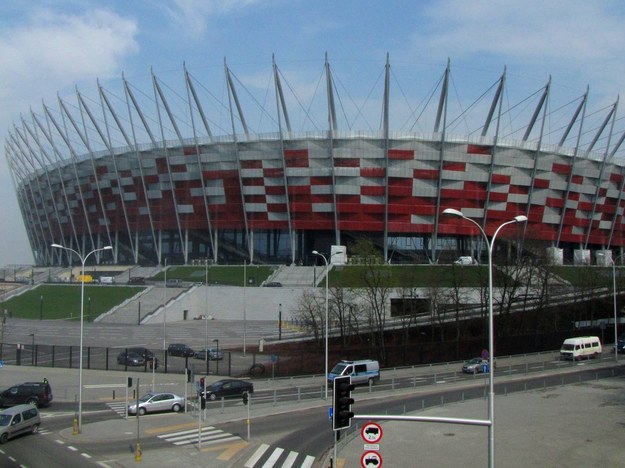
[{"x": 151, "y": 172}]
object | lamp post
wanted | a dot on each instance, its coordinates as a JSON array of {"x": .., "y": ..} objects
[
  {"x": 82, "y": 310},
  {"x": 615, "y": 312},
  {"x": 491, "y": 377},
  {"x": 325, "y": 260},
  {"x": 206, "y": 316},
  {"x": 165, "y": 310},
  {"x": 32, "y": 351},
  {"x": 216, "y": 340}
]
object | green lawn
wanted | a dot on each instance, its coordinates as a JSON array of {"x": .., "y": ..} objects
[{"x": 63, "y": 301}]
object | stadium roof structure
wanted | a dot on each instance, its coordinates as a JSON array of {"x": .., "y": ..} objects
[{"x": 181, "y": 174}]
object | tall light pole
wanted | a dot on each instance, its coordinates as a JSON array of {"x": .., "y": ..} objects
[
  {"x": 615, "y": 311},
  {"x": 165, "y": 309},
  {"x": 82, "y": 311},
  {"x": 325, "y": 260},
  {"x": 491, "y": 377},
  {"x": 206, "y": 315},
  {"x": 216, "y": 340}
]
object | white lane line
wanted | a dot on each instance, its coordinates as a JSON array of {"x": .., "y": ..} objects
[
  {"x": 73, "y": 449},
  {"x": 308, "y": 462},
  {"x": 288, "y": 463}
]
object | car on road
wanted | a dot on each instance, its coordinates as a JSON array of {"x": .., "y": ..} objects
[
  {"x": 475, "y": 366},
  {"x": 137, "y": 357},
  {"x": 34, "y": 393},
  {"x": 21, "y": 419},
  {"x": 213, "y": 354},
  {"x": 154, "y": 402},
  {"x": 180, "y": 349},
  {"x": 228, "y": 388}
]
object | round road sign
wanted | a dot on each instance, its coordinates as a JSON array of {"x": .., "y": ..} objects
[
  {"x": 371, "y": 459},
  {"x": 371, "y": 433}
]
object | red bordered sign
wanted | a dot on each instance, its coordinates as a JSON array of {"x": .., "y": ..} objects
[
  {"x": 371, "y": 459},
  {"x": 371, "y": 433}
]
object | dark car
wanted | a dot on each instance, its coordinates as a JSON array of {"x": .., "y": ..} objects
[
  {"x": 34, "y": 393},
  {"x": 145, "y": 352},
  {"x": 228, "y": 388},
  {"x": 136, "y": 280},
  {"x": 180, "y": 349},
  {"x": 273, "y": 284},
  {"x": 136, "y": 357},
  {"x": 213, "y": 354}
]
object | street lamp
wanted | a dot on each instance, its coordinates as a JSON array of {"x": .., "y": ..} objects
[
  {"x": 216, "y": 340},
  {"x": 325, "y": 260},
  {"x": 165, "y": 310},
  {"x": 491, "y": 367},
  {"x": 615, "y": 314},
  {"x": 82, "y": 310}
]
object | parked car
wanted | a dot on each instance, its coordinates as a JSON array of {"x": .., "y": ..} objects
[
  {"x": 228, "y": 388},
  {"x": 465, "y": 260},
  {"x": 20, "y": 419},
  {"x": 620, "y": 343},
  {"x": 153, "y": 402},
  {"x": 475, "y": 366},
  {"x": 145, "y": 352},
  {"x": 33, "y": 393},
  {"x": 136, "y": 280},
  {"x": 180, "y": 349},
  {"x": 136, "y": 357},
  {"x": 273, "y": 284},
  {"x": 213, "y": 354}
]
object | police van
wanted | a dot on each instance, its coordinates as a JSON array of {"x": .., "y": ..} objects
[{"x": 366, "y": 371}]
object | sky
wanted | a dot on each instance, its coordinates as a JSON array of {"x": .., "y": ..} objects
[{"x": 50, "y": 48}]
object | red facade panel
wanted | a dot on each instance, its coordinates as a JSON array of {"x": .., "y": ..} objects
[
  {"x": 479, "y": 149},
  {"x": 561, "y": 168},
  {"x": 372, "y": 172},
  {"x": 454, "y": 166},
  {"x": 400, "y": 154}
]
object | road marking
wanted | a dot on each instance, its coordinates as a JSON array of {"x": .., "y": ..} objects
[
  {"x": 288, "y": 463},
  {"x": 273, "y": 458},
  {"x": 232, "y": 450},
  {"x": 162, "y": 429},
  {"x": 259, "y": 453},
  {"x": 73, "y": 449},
  {"x": 86, "y": 455}
]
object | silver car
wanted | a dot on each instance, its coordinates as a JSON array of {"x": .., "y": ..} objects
[
  {"x": 153, "y": 402},
  {"x": 475, "y": 365}
]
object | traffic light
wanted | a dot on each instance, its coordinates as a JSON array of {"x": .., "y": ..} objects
[
  {"x": 202, "y": 402},
  {"x": 129, "y": 382},
  {"x": 245, "y": 398},
  {"x": 342, "y": 402}
]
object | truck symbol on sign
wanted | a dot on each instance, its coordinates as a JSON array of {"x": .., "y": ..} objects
[{"x": 372, "y": 430}]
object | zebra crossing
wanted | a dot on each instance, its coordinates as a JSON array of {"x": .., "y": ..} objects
[
  {"x": 265, "y": 456},
  {"x": 278, "y": 457},
  {"x": 119, "y": 408},
  {"x": 210, "y": 435}
]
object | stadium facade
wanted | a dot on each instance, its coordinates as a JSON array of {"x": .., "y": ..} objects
[{"x": 276, "y": 196}]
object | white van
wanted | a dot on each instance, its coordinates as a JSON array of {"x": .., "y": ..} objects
[
  {"x": 365, "y": 371},
  {"x": 107, "y": 280},
  {"x": 18, "y": 420},
  {"x": 583, "y": 347}
]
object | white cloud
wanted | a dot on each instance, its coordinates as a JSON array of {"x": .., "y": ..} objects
[
  {"x": 192, "y": 15},
  {"x": 575, "y": 34},
  {"x": 45, "y": 53},
  {"x": 53, "y": 51}
]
